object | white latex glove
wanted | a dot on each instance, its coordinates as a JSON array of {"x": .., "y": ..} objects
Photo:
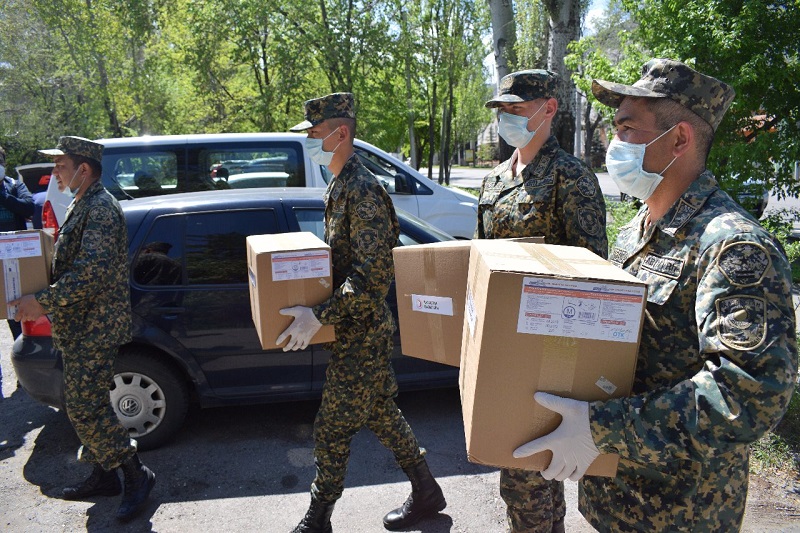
[
  {"x": 571, "y": 443},
  {"x": 302, "y": 328}
]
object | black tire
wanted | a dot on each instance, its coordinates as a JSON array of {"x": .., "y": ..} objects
[{"x": 149, "y": 396}]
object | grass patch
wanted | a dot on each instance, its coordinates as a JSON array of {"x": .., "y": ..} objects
[{"x": 779, "y": 451}]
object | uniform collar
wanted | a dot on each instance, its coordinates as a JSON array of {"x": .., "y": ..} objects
[
  {"x": 349, "y": 166},
  {"x": 690, "y": 202}
]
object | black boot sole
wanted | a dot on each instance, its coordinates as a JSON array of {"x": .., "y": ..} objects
[{"x": 115, "y": 491}]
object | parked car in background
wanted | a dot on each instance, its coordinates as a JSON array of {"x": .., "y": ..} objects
[
  {"x": 193, "y": 334},
  {"x": 55, "y": 207},
  {"x": 185, "y": 163},
  {"x": 36, "y": 178}
]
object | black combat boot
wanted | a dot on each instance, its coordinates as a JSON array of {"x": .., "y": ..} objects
[
  {"x": 139, "y": 481},
  {"x": 99, "y": 483},
  {"x": 317, "y": 518},
  {"x": 426, "y": 499}
]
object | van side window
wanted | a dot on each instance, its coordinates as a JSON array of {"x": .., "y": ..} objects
[
  {"x": 135, "y": 174},
  {"x": 246, "y": 166},
  {"x": 312, "y": 220},
  {"x": 393, "y": 178},
  {"x": 159, "y": 261},
  {"x": 215, "y": 244}
]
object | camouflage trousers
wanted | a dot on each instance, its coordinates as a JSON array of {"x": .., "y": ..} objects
[
  {"x": 532, "y": 502},
  {"x": 88, "y": 375},
  {"x": 359, "y": 392}
]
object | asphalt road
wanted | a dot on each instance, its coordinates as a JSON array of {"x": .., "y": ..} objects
[{"x": 242, "y": 469}]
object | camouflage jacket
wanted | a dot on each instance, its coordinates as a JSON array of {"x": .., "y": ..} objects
[
  {"x": 716, "y": 368},
  {"x": 89, "y": 298},
  {"x": 361, "y": 228},
  {"x": 555, "y": 196}
]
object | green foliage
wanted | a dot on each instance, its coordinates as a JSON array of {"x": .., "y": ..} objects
[
  {"x": 753, "y": 46},
  {"x": 104, "y": 68},
  {"x": 619, "y": 214},
  {"x": 781, "y": 223}
]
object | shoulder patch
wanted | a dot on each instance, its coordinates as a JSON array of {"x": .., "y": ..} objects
[
  {"x": 91, "y": 240},
  {"x": 741, "y": 322},
  {"x": 589, "y": 221},
  {"x": 101, "y": 214},
  {"x": 586, "y": 187},
  {"x": 669, "y": 267},
  {"x": 367, "y": 240},
  {"x": 744, "y": 263},
  {"x": 366, "y": 210}
]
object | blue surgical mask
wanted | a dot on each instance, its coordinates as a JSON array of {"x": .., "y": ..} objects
[
  {"x": 625, "y": 161},
  {"x": 315, "y": 151},
  {"x": 2, "y": 172},
  {"x": 514, "y": 128}
]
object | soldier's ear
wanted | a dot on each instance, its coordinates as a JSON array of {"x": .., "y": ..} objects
[{"x": 684, "y": 138}]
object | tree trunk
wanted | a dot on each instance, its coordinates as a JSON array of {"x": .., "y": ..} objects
[
  {"x": 565, "y": 26},
  {"x": 432, "y": 131},
  {"x": 412, "y": 142},
  {"x": 504, "y": 38}
]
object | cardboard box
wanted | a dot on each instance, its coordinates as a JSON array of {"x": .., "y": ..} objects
[
  {"x": 540, "y": 317},
  {"x": 26, "y": 258},
  {"x": 287, "y": 269},
  {"x": 431, "y": 286}
]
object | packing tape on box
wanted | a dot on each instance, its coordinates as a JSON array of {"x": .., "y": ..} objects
[
  {"x": 559, "y": 359},
  {"x": 12, "y": 284},
  {"x": 435, "y": 321}
]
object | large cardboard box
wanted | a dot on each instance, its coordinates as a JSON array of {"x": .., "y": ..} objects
[
  {"x": 540, "y": 317},
  {"x": 26, "y": 258},
  {"x": 431, "y": 286},
  {"x": 287, "y": 269}
]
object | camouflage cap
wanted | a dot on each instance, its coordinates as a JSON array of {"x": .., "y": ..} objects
[
  {"x": 524, "y": 86},
  {"x": 336, "y": 105},
  {"x": 68, "y": 145},
  {"x": 705, "y": 96}
]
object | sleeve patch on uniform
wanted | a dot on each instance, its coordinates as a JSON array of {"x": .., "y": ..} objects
[
  {"x": 586, "y": 187},
  {"x": 366, "y": 210},
  {"x": 91, "y": 240},
  {"x": 101, "y": 214},
  {"x": 744, "y": 263},
  {"x": 589, "y": 221},
  {"x": 742, "y": 322},
  {"x": 367, "y": 240}
]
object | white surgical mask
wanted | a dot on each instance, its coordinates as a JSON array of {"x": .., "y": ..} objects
[
  {"x": 72, "y": 191},
  {"x": 315, "y": 151},
  {"x": 514, "y": 128},
  {"x": 625, "y": 161}
]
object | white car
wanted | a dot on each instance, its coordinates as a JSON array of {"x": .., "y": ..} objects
[
  {"x": 156, "y": 165},
  {"x": 55, "y": 207}
]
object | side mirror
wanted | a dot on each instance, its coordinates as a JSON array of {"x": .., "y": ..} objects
[{"x": 403, "y": 184}]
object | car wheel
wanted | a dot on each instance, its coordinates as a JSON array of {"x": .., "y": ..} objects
[{"x": 150, "y": 398}]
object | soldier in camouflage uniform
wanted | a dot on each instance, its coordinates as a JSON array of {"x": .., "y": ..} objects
[
  {"x": 540, "y": 191},
  {"x": 361, "y": 228},
  {"x": 89, "y": 305},
  {"x": 718, "y": 357}
]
